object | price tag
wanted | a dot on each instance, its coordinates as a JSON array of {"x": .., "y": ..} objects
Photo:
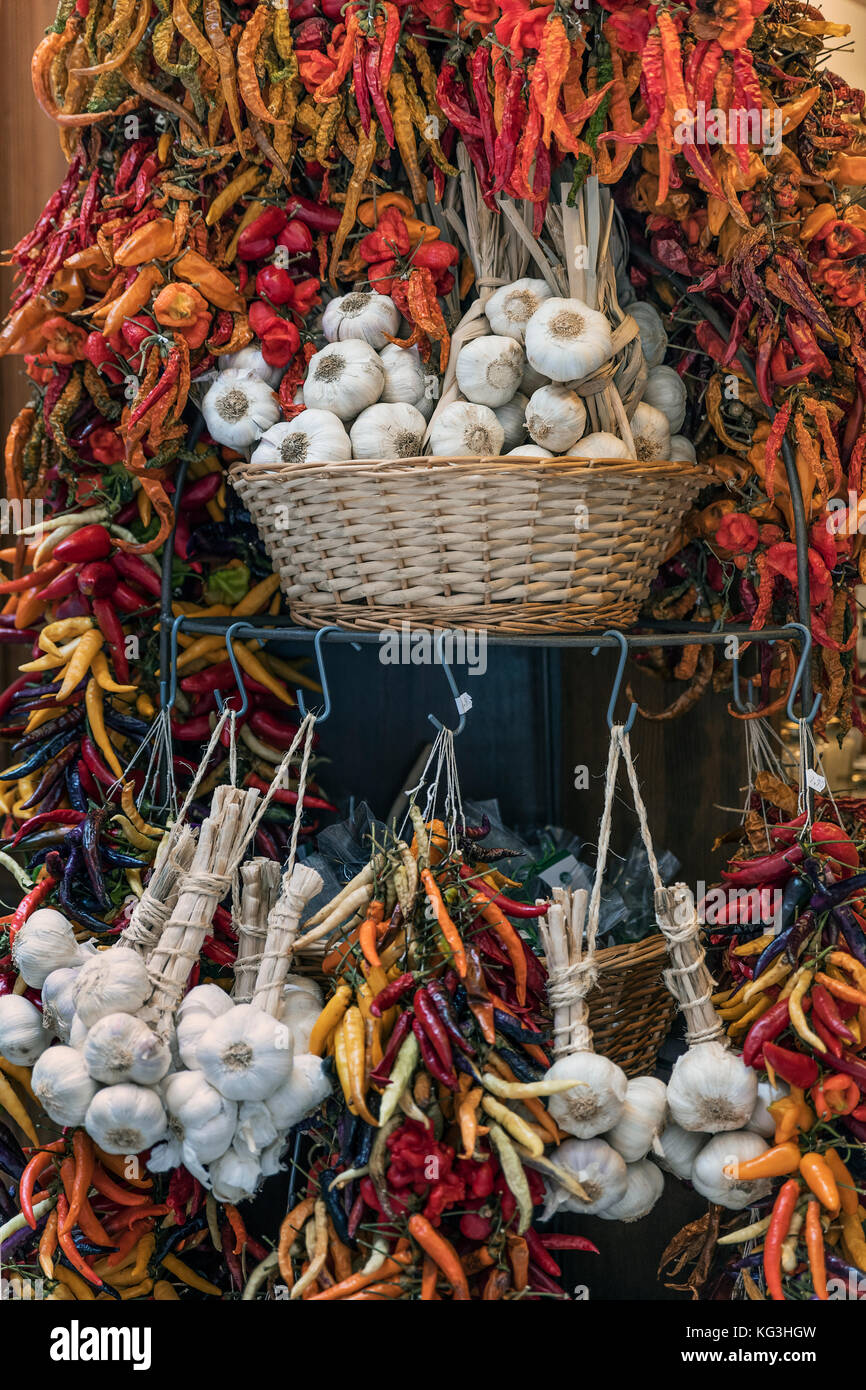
[
  {"x": 463, "y": 703},
  {"x": 560, "y": 871},
  {"x": 814, "y": 781}
]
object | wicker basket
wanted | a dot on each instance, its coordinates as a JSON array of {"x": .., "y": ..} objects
[
  {"x": 631, "y": 1009},
  {"x": 510, "y": 545}
]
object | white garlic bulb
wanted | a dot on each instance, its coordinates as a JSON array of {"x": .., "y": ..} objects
[
  {"x": 304, "y": 1091},
  {"x": 600, "y": 446},
  {"x": 489, "y": 370},
  {"x": 566, "y": 340},
  {"x": 593, "y": 1106},
  {"x": 653, "y": 338},
  {"x": 642, "y": 1118},
  {"x": 676, "y": 1149},
  {"x": 388, "y": 432},
  {"x": 511, "y": 418},
  {"x": 250, "y": 360},
  {"x": 665, "y": 389},
  {"x": 723, "y": 1152},
  {"x": 125, "y": 1119},
  {"x": 761, "y": 1121},
  {"x": 556, "y": 417},
  {"x": 682, "y": 450},
  {"x": 651, "y": 433},
  {"x": 464, "y": 430},
  {"x": 63, "y": 1085},
  {"x": 245, "y": 1053},
  {"x": 644, "y": 1185},
  {"x": 711, "y": 1089},
  {"x": 300, "y": 1007},
  {"x": 314, "y": 436},
  {"x": 372, "y": 318},
  {"x": 45, "y": 943},
  {"x": 208, "y": 999},
  {"x": 270, "y": 1159},
  {"x": 256, "y": 1129},
  {"x": 238, "y": 408},
  {"x": 407, "y": 381},
  {"x": 531, "y": 380},
  {"x": 235, "y": 1175},
  {"x": 510, "y": 308},
  {"x": 599, "y": 1169},
  {"x": 22, "y": 1036},
  {"x": 201, "y": 1122},
  {"x": 77, "y": 1031},
  {"x": 529, "y": 451},
  {"x": 344, "y": 378},
  {"x": 121, "y": 1047},
  {"x": 58, "y": 1006},
  {"x": 111, "y": 982}
]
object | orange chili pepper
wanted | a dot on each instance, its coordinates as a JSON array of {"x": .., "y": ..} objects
[
  {"x": 133, "y": 299},
  {"x": 393, "y": 1265},
  {"x": 67, "y": 1245},
  {"x": 815, "y": 1248},
  {"x": 216, "y": 287},
  {"x": 236, "y": 1222},
  {"x": 819, "y": 1177},
  {"x": 152, "y": 242},
  {"x": 368, "y": 931},
  {"x": 446, "y": 926},
  {"x": 48, "y": 1245},
  {"x": 840, "y": 988},
  {"x": 429, "y": 1277},
  {"x": 442, "y": 1252},
  {"x": 848, "y": 1194},
  {"x": 518, "y": 1258},
  {"x": 510, "y": 939}
]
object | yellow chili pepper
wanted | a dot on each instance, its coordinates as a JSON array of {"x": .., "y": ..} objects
[
  {"x": 290, "y": 672},
  {"x": 79, "y": 663},
  {"x": 773, "y": 975},
  {"x": 137, "y": 1290},
  {"x": 61, "y": 631},
  {"x": 202, "y": 646},
  {"x": 342, "y": 1064},
  {"x": 145, "y": 706},
  {"x": 38, "y": 717},
  {"x": 78, "y": 1287},
  {"x": 134, "y": 836},
  {"x": 9, "y": 1101},
  {"x": 745, "y": 1021},
  {"x": 328, "y": 1019},
  {"x": 163, "y": 148},
  {"x": 99, "y": 667},
  {"x": 755, "y": 947},
  {"x": 242, "y": 183},
  {"x": 50, "y": 662},
  {"x": 795, "y": 1008},
  {"x": 354, "y": 1043},
  {"x": 127, "y": 801},
  {"x": 253, "y": 667},
  {"x": 256, "y": 597},
  {"x": 93, "y": 702},
  {"x": 21, "y": 1075},
  {"x": 163, "y": 1291},
  {"x": 853, "y": 1240},
  {"x": 514, "y": 1125},
  {"x": 851, "y": 966},
  {"x": 188, "y": 1276}
]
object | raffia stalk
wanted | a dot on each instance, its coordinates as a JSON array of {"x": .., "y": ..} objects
[
  {"x": 155, "y": 906},
  {"x": 299, "y": 886},
  {"x": 687, "y": 977},
  {"x": 261, "y": 882}
]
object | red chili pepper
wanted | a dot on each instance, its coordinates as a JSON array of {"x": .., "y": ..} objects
[
  {"x": 391, "y": 993},
  {"x": 94, "y": 764},
  {"x": 218, "y": 951},
  {"x": 553, "y": 1241},
  {"x": 29, "y": 903},
  {"x": 46, "y": 818},
  {"x": 273, "y": 730},
  {"x": 794, "y": 1067},
  {"x": 764, "y": 1030},
  {"x": 61, "y": 587},
  {"x": 44, "y": 575},
  {"x": 824, "y": 1007},
  {"x": 508, "y": 905},
  {"x": 320, "y": 216},
  {"x": 776, "y": 1234},
  {"x": 431, "y": 1059},
  {"x": 129, "y": 600},
  {"x": 109, "y": 625},
  {"x": 380, "y": 1074},
  {"x": 203, "y": 490},
  {"x": 96, "y": 579},
  {"x": 287, "y": 797},
  {"x": 767, "y": 870},
  {"x": 296, "y": 237},
  {"x": 30, "y": 1175},
  {"x": 430, "y": 1021},
  {"x": 830, "y": 1041},
  {"x": 87, "y": 543},
  {"x": 280, "y": 343},
  {"x": 133, "y": 568}
]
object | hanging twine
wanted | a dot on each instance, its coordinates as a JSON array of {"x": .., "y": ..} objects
[{"x": 154, "y": 908}]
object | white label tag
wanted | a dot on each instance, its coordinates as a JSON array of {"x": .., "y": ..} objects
[
  {"x": 814, "y": 780},
  {"x": 463, "y": 703},
  {"x": 560, "y": 871}
]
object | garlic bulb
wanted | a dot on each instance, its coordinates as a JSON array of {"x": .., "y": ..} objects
[
  {"x": 489, "y": 370},
  {"x": 511, "y": 418},
  {"x": 599, "y": 1169},
  {"x": 77, "y": 1031},
  {"x": 63, "y": 1085},
  {"x": 58, "y": 1006},
  {"x": 235, "y": 1175},
  {"x": 676, "y": 1149},
  {"x": 651, "y": 432},
  {"x": 464, "y": 430},
  {"x": 188, "y": 1034},
  {"x": 22, "y": 1037},
  {"x": 344, "y": 378},
  {"x": 245, "y": 1053},
  {"x": 645, "y": 1184},
  {"x": 711, "y": 1089},
  {"x": 304, "y": 1091},
  {"x": 208, "y": 999},
  {"x": 255, "y": 1128},
  {"x": 121, "y": 1047},
  {"x": 556, "y": 417},
  {"x": 593, "y": 1106},
  {"x": 642, "y": 1118},
  {"x": 665, "y": 389},
  {"x": 531, "y": 380},
  {"x": 250, "y": 360},
  {"x": 531, "y": 451},
  {"x": 600, "y": 446},
  {"x": 372, "y": 318},
  {"x": 111, "y": 982},
  {"x": 388, "y": 431},
  {"x": 682, "y": 450},
  {"x": 201, "y": 1122},
  {"x": 761, "y": 1121},
  {"x": 270, "y": 1159},
  {"x": 510, "y": 308},
  {"x": 406, "y": 381},
  {"x": 125, "y": 1119},
  {"x": 653, "y": 338},
  {"x": 314, "y": 436},
  {"x": 300, "y": 1007},
  {"x": 566, "y": 340},
  {"x": 45, "y": 943},
  {"x": 238, "y": 408},
  {"x": 725, "y": 1151}
]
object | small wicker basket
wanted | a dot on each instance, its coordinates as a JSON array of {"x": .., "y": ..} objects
[
  {"x": 512, "y": 545},
  {"x": 631, "y": 1009}
]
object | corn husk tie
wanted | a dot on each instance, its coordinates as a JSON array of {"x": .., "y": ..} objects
[
  {"x": 155, "y": 906},
  {"x": 261, "y": 880},
  {"x": 687, "y": 977}
]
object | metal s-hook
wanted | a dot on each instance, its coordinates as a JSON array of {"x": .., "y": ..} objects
[
  {"x": 462, "y": 701},
  {"x": 323, "y": 680},
  {"x": 236, "y": 672},
  {"x": 805, "y": 652},
  {"x": 617, "y": 684}
]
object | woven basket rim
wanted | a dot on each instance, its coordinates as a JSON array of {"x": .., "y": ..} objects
[{"x": 526, "y": 463}]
